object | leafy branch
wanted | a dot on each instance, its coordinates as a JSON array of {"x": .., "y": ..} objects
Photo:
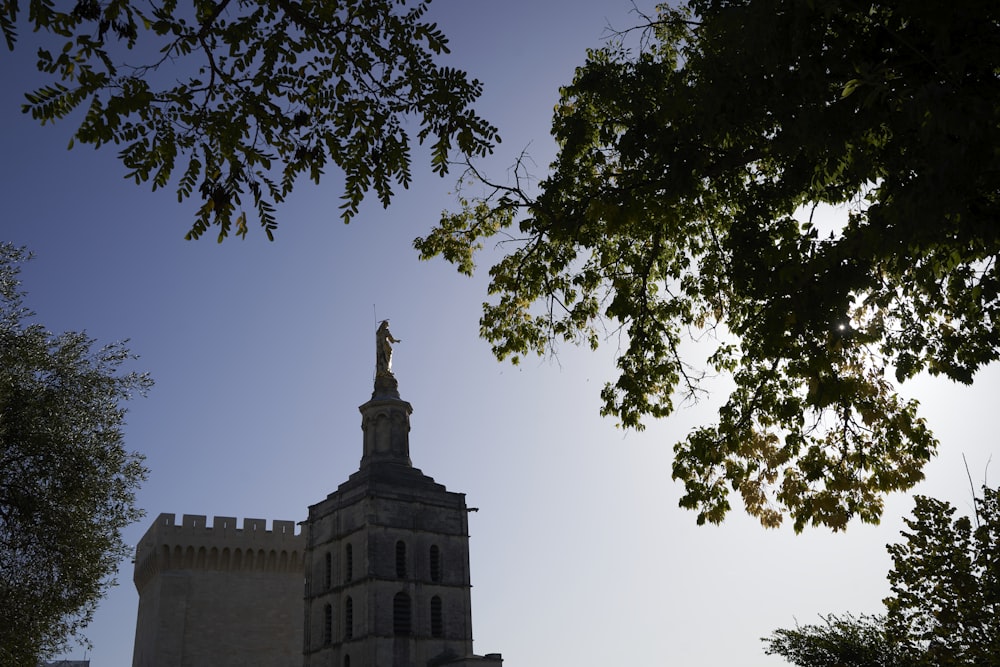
[{"x": 284, "y": 89}]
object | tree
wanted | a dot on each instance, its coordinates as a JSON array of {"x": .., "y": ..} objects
[
  {"x": 944, "y": 605},
  {"x": 247, "y": 96},
  {"x": 67, "y": 484},
  {"x": 841, "y": 641},
  {"x": 945, "y": 581},
  {"x": 681, "y": 205}
]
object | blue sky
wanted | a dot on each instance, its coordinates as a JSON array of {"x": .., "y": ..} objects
[{"x": 262, "y": 352}]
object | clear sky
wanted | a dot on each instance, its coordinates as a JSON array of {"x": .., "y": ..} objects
[{"x": 262, "y": 352}]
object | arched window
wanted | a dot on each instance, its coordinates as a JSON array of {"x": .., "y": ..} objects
[
  {"x": 328, "y": 572},
  {"x": 435, "y": 563},
  {"x": 401, "y": 624},
  {"x": 327, "y": 625},
  {"x": 348, "y": 618},
  {"x": 401, "y": 559},
  {"x": 437, "y": 620},
  {"x": 348, "y": 562},
  {"x": 347, "y": 661}
]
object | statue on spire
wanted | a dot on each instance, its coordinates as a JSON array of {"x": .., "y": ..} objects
[{"x": 383, "y": 349}]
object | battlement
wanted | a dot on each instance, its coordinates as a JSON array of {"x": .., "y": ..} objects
[
  {"x": 224, "y": 523},
  {"x": 222, "y": 546}
]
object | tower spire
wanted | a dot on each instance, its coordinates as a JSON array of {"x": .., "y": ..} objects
[
  {"x": 385, "y": 419},
  {"x": 387, "y": 555}
]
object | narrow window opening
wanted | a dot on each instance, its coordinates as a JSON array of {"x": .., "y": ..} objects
[
  {"x": 437, "y": 621},
  {"x": 401, "y": 614},
  {"x": 347, "y": 661},
  {"x": 401, "y": 559},
  {"x": 348, "y": 562},
  {"x": 328, "y": 573},
  {"x": 327, "y": 625},
  {"x": 435, "y": 563},
  {"x": 348, "y": 618}
]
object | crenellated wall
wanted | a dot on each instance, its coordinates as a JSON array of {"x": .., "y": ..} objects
[
  {"x": 194, "y": 545},
  {"x": 218, "y": 590}
]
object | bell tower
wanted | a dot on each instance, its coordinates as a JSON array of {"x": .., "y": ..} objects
[{"x": 387, "y": 554}]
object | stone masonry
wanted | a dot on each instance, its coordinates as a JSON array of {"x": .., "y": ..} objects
[{"x": 219, "y": 595}]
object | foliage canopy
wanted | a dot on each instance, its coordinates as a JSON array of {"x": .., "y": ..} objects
[
  {"x": 945, "y": 582},
  {"x": 67, "y": 484},
  {"x": 681, "y": 204},
  {"x": 840, "y": 641},
  {"x": 242, "y": 97},
  {"x": 944, "y": 605}
]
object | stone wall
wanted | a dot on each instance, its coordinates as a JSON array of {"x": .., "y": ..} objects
[{"x": 219, "y": 595}]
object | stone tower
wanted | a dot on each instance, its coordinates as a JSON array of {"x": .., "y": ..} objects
[
  {"x": 387, "y": 554},
  {"x": 219, "y": 595}
]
